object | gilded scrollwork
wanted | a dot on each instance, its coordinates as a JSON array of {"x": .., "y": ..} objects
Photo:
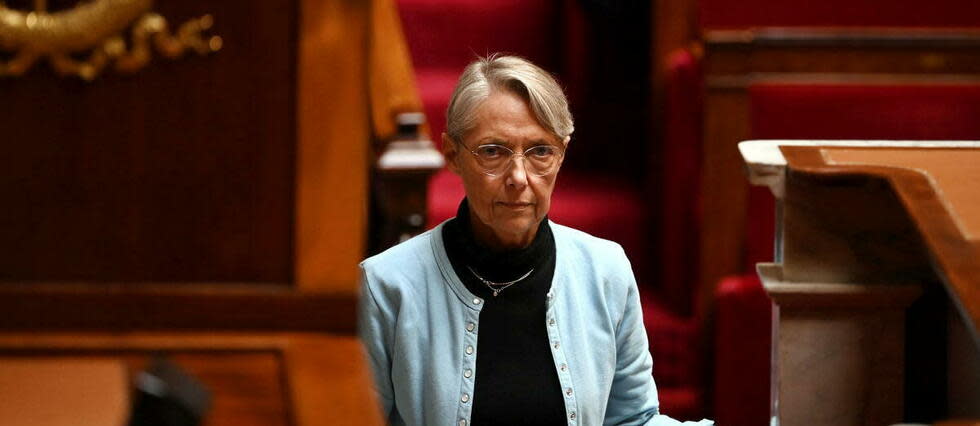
[{"x": 96, "y": 31}]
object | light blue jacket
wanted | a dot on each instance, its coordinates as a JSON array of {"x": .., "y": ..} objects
[{"x": 419, "y": 325}]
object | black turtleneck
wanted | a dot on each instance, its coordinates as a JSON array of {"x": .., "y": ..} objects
[{"x": 516, "y": 382}]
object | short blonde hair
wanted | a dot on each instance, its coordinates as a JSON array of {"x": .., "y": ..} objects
[{"x": 515, "y": 75}]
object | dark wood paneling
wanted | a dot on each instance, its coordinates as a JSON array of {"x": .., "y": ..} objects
[
  {"x": 180, "y": 172},
  {"x": 183, "y": 306}
]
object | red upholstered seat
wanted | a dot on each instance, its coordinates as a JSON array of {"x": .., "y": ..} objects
[
  {"x": 854, "y": 111},
  {"x": 435, "y": 87},
  {"x": 743, "y": 321},
  {"x": 680, "y": 176},
  {"x": 813, "y": 111}
]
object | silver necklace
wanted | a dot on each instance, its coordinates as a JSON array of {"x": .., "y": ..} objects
[{"x": 498, "y": 287}]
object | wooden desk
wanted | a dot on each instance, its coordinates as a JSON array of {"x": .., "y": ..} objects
[
  {"x": 865, "y": 228},
  {"x": 260, "y": 379}
]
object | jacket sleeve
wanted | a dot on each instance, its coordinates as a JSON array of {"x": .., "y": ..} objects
[
  {"x": 374, "y": 327},
  {"x": 633, "y": 397}
]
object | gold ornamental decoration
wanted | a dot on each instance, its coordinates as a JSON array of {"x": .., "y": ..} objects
[{"x": 96, "y": 32}]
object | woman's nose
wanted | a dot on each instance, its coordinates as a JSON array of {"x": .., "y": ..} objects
[{"x": 517, "y": 172}]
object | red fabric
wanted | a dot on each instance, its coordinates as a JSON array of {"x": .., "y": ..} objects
[
  {"x": 681, "y": 179},
  {"x": 743, "y": 341},
  {"x": 717, "y": 14},
  {"x": 677, "y": 362},
  {"x": 435, "y": 87},
  {"x": 851, "y": 111},
  {"x": 451, "y": 33},
  {"x": 681, "y": 403}
]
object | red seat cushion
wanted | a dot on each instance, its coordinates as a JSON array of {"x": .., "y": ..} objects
[
  {"x": 680, "y": 172},
  {"x": 451, "y": 33},
  {"x": 677, "y": 362},
  {"x": 743, "y": 338},
  {"x": 435, "y": 87}
]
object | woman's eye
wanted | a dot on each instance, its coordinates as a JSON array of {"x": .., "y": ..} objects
[
  {"x": 542, "y": 151},
  {"x": 490, "y": 151}
]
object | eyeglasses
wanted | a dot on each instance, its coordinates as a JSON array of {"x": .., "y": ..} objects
[{"x": 539, "y": 160}]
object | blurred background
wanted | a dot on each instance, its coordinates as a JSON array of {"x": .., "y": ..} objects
[{"x": 200, "y": 179}]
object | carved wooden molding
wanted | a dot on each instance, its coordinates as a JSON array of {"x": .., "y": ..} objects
[{"x": 96, "y": 28}]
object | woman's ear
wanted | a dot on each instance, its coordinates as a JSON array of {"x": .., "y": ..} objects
[{"x": 450, "y": 153}]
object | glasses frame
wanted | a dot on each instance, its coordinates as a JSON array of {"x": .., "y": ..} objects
[{"x": 513, "y": 155}]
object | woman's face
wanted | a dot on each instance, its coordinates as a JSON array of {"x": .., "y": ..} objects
[{"x": 505, "y": 210}]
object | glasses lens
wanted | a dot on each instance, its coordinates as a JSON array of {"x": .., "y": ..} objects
[
  {"x": 492, "y": 157},
  {"x": 541, "y": 159}
]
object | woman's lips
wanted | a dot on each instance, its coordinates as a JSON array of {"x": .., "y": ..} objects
[{"x": 514, "y": 205}]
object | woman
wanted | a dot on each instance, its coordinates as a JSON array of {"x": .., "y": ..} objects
[{"x": 499, "y": 316}]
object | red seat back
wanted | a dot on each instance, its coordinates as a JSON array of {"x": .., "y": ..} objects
[{"x": 720, "y": 14}]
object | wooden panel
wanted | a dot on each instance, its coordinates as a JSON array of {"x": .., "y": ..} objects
[
  {"x": 724, "y": 190},
  {"x": 334, "y": 144},
  {"x": 180, "y": 172},
  {"x": 180, "y": 306},
  {"x": 92, "y": 391},
  {"x": 256, "y": 379}
]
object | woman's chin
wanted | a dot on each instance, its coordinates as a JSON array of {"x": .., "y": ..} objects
[{"x": 517, "y": 228}]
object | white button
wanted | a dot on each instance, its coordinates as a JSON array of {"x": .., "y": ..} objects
[
  {"x": 468, "y": 373},
  {"x": 572, "y": 416},
  {"x": 568, "y": 391},
  {"x": 563, "y": 367},
  {"x": 462, "y": 422},
  {"x": 551, "y": 321},
  {"x": 477, "y": 301},
  {"x": 469, "y": 350},
  {"x": 556, "y": 345},
  {"x": 470, "y": 327},
  {"x": 465, "y": 398}
]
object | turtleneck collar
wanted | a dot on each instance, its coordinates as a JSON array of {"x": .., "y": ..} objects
[{"x": 497, "y": 265}]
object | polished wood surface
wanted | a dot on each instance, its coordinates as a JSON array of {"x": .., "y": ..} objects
[
  {"x": 936, "y": 190},
  {"x": 354, "y": 76},
  {"x": 174, "y": 306},
  {"x": 951, "y": 172},
  {"x": 255, "y": 379},
  {"x": 92, "y": 391}
]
